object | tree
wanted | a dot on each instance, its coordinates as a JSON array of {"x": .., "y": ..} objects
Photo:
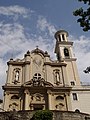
[
  {"x": 84, "y": 15},
  {"x": 42, "y": 115}
]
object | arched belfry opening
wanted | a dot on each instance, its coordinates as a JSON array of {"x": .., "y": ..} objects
[{"x": 66, "y": 52}]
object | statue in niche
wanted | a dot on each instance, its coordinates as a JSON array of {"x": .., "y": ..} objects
[
  {"x": 57, "y": 77},
  {"x": 17, "y": 75}
]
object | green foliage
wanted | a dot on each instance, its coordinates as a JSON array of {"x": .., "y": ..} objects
[
  {"x": 84, "y": 15},
  {"x": 43, "y": 115},
  {"x": 85, "y": 1}
]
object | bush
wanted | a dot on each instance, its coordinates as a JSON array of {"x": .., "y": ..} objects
[{"x": 43, "y": 115}]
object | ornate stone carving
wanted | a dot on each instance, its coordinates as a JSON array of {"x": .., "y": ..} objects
[{"x": 38, "y": 82}]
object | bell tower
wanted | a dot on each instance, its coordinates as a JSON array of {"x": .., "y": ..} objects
[
  {"x": 63, "y": 47},
  {"x": 64, "y": 52}
]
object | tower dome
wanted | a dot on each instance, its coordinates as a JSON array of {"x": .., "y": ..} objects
[{"x": 61, "y": 35}]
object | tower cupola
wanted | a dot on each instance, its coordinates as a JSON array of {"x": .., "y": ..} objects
[{"x": 61, "y": 35}]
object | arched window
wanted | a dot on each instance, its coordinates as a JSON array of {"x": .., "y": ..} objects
[
  {"x": 72, "y": 83},
  {"x": 60, "y": 98},
  {"x": 63, "y": 37},
  {"x": 66, "y": 52},
  {"x": 14, "y": 97},
  {"x": 77, "y": 110},
  {"x": 74, "y": 96},
  {"x": 58, "y": 56},
  {"x": 59, "y": 37}
]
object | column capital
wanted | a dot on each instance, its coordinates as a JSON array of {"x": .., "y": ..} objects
[
  {"x": 49, "y": 92},
  {"x": 6, "y": 93},
  {"x": 26, "y": 91}
]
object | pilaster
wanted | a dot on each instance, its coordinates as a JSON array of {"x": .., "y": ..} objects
[
  {"x": 49, "y": 100},
  {"x": 64, "y": 75},
  {"x": 9, "y": 73},
  {"x": 26, "y": 99},
  {"x": 27, "y": 66},
  {"x": 6, "y": 101},
  {"x": 68, "y": 102}
]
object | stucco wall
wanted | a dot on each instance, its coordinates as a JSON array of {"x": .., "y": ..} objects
[{"x": 83, "y": 100}]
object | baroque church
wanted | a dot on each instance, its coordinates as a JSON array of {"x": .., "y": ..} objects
[{"x": 37, "y": 83}]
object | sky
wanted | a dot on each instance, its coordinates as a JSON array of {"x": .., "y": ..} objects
[{"x": 25, "y": 24}]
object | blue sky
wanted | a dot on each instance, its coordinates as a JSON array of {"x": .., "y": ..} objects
[{"x": 24, "y": 24}]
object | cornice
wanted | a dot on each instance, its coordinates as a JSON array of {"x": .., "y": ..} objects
[
  {"x": 43, "y": 88},
  {"x": 82, "y": 88},
  {"x": 10, "y": 87},
  {"x": 70, "y": 59},
  {"x": 63, "y": 88},
  {"x": 64, "y": 42},
  {"x": 58, "y": 64},
  {"x": 18, "y": 62}
]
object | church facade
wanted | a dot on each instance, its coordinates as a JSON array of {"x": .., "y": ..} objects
[{"x": 37, "y": 83}]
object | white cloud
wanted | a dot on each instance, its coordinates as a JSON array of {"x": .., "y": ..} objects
[
  {"x": 11, "y": 35},
  {"x": 43, "y": 25},
  {"x": 15, "y": 11}
]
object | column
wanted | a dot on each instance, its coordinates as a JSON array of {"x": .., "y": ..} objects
[
  {"x": 27, "y": 72},
  {"x": 6, "y": 101},
  {"x": 64, "y": 76},
  {"x": 68, "y": 101},
  {"x": 27, "y": 67},
  {"x": 9, "y": 74},
  {"x": 26, "y": 99},
  {"x": 49, "y": 100}
]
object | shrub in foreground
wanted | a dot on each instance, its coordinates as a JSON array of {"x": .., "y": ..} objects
[{"x": 43, "y": 115}]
